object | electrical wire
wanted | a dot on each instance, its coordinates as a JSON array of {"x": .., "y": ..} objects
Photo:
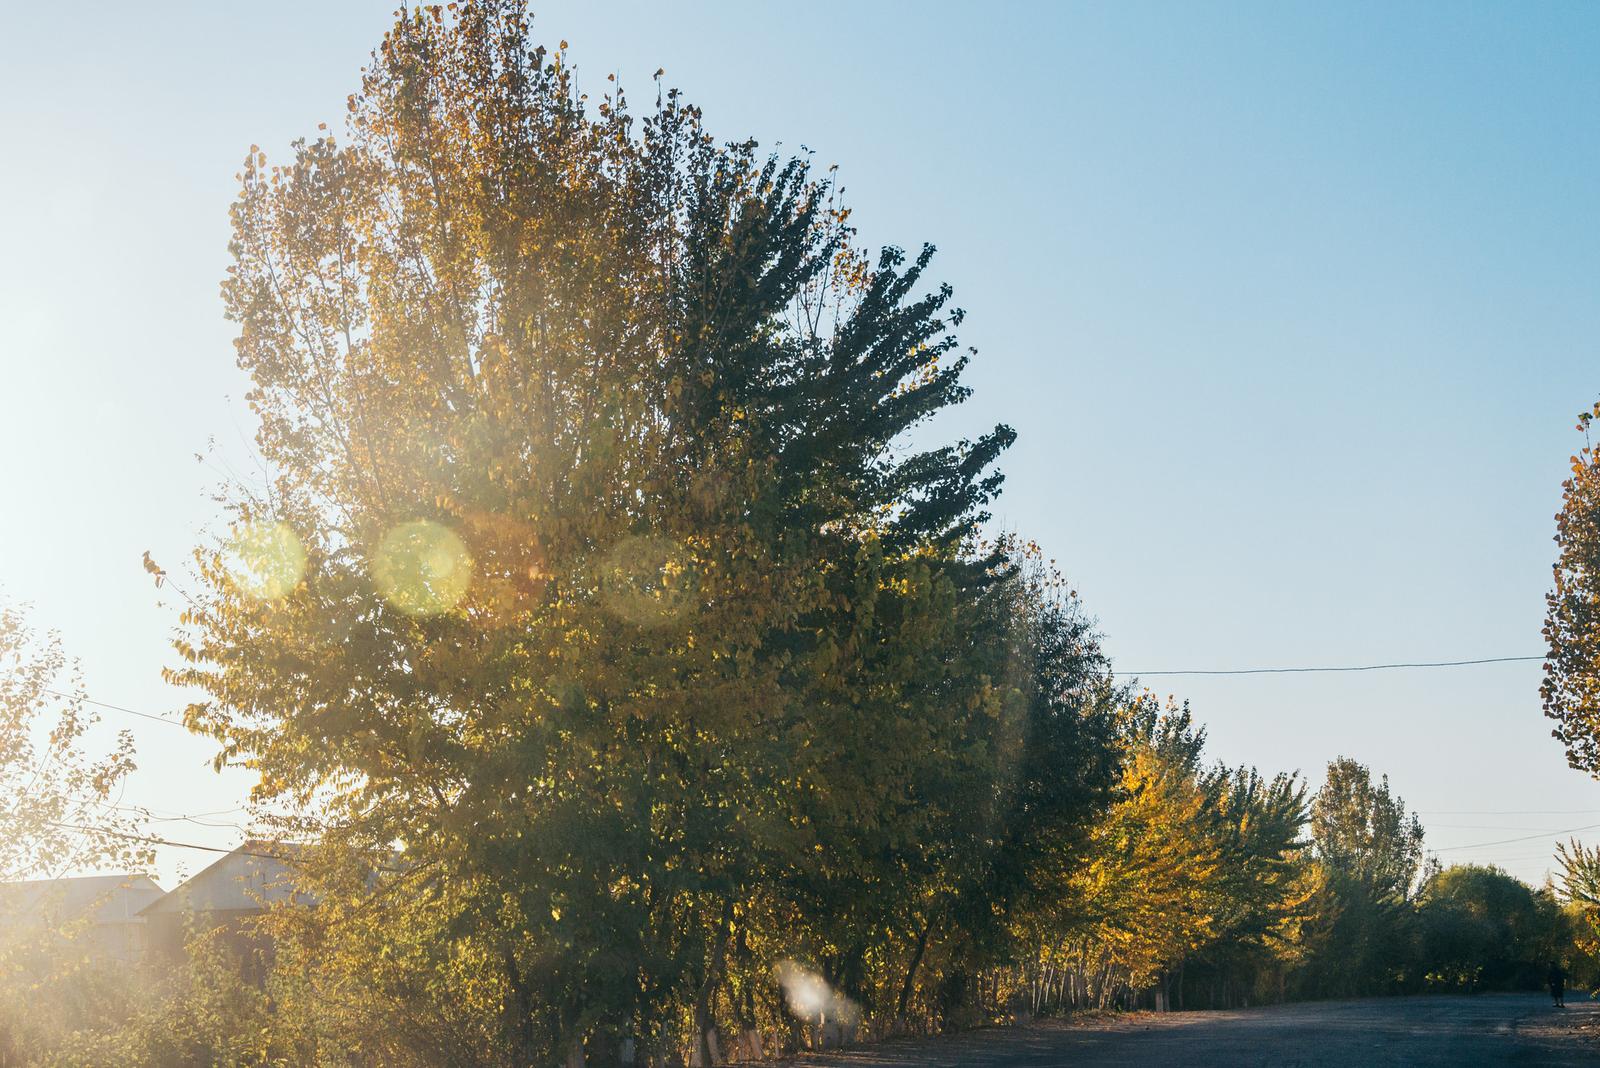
[
  {"x": 1525, "y": 838},
  {"x": 1356, "y": 667},
  {"x": 1486, "y": 827},
  {"x": 289, "y": 847},
  {"x": 115, "y": 708},
  {"x": 196, "y": 818},
  {"x": 1506, "y": 812},
  {"x": 1141, "y": 674},
  {"x": 153, "y": 840}
]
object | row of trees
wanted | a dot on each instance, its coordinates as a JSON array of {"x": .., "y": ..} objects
[
  {"x": 1215, "y": 888},
  {"x": 623, "y": 642},
  {"x": 1187, "y": 884}
]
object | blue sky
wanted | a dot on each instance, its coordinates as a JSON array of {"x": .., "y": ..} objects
[{"x": 1293, "y": 307}]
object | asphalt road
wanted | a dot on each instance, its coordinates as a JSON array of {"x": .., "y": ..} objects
[{"x": 1489, "y": 1029}]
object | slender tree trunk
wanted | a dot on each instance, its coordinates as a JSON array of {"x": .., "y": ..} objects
[
  {"x": 707, "y": 1051},
  {"x": 517, "y": 1025},
  {"x": 911, "y": 973},
  {"x": 749, "y": 1044}
]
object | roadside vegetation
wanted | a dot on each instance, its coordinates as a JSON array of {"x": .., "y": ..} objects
[{"x": 626, "y": 644}]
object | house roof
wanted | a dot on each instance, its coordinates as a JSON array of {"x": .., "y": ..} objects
[
  {"x": 255, "y": 875},
  {"x": 107, "y": 898}
]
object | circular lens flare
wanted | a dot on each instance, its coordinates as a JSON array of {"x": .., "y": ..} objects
[
  {"x": 422, "y": 568},
  {"x": 645, "y": 580},
  {"x": 265, "y": 559}
]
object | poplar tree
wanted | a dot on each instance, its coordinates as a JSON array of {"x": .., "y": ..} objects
[
  {"x": 1371, "y": 849},
  {"x": 594, "y": 588}
]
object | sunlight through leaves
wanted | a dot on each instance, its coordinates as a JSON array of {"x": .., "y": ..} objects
[
  {"x": 422, "y": 568},
  {"x": 265, "y": 558},
  {"x": 645, "y": 580}
]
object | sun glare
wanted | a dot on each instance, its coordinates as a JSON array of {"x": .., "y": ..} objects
[
  {"x": 422, "y": 568},
  {"x": 266, "y": 559}
]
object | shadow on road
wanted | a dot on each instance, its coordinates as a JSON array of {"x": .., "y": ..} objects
[{"x": 1490, "y": 1029}]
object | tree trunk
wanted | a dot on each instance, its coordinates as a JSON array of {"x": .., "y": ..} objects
[
  {"x": 517, "y": 1025},
  {"x": 911, "y": 973},
  {"x": 707, "y": 1051}
]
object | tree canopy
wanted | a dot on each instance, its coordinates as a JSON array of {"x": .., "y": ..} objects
[
  {"x": 597, "y": 568},
  {"x": 1571, "y": 688},
  {"x": 622, "y": 639}
]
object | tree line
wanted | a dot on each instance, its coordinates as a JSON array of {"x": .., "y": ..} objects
[{"x": 625, "y": 645}]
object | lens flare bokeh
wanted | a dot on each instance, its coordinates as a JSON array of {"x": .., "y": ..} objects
[
  {"x": 646, "y": 580},
  {"x": 265, "y": 559},
  {"x": 422, "y": 568}
]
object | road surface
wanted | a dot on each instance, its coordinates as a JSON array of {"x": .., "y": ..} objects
[{"x": 1489, "y": 1029}]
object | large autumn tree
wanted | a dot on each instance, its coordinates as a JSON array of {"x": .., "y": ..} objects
[
  {"x": 1571, "y": 688},
  {"x": 596, "y": 590}
]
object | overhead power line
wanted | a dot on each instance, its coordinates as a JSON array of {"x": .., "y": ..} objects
[
  {"x": 1507, "y": 812},
  {"x": 1356, "y": 667},
  {"x": 153, "y": 840},
  {"x": 289, "y": 847},
  {"x": 156, "y": 815},
  {"x": 1509, "y": 841},
  {"x": 1487, "y": 827},
  {"x": 115, "y": 708},
  {"x": 1143, "y": 674}
]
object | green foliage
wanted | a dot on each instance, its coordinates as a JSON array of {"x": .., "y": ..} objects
[
  {"x": 1371, "y": 850},
  {"x": 1580, "y": 893},
  {"x": 1480, "y": 928},
  {"x": 625, "y": 605},
  {"x": 189, "y": 1014},
  {"x": 633, "y": 680},
  {"x": 1363, "y": 833}
]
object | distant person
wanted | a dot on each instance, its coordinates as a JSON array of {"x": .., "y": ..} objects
[{"x": 1558, "y": 984}]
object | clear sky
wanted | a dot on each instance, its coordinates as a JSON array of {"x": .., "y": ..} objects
[{"x": 1293, "y": 306}]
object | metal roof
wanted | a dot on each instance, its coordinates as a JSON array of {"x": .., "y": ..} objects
[
  {"x": 254, "y": 876},
  {"x": 106, "y": 898}
]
